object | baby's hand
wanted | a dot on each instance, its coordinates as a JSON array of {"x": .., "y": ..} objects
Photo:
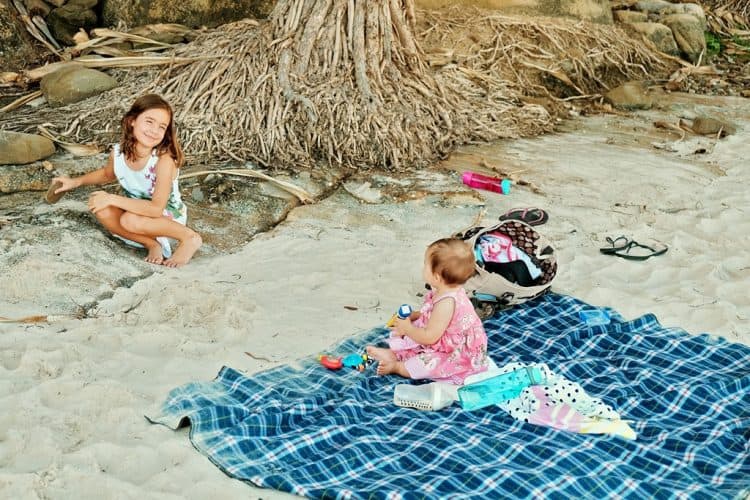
[
  {"x": 401, "y": 326},
  {"x": 66, "y": 184}
]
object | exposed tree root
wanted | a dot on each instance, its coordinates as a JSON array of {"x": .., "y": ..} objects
[{"x": 357, "y": 83}]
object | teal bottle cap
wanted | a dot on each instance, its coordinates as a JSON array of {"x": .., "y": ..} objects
[{"x": 505, "y": 186}]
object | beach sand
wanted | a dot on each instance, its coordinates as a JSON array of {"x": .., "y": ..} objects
[{"x": 73, "y": 392}]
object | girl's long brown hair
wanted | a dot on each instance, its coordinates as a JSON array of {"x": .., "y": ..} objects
[{"x": 170, "y": 144}]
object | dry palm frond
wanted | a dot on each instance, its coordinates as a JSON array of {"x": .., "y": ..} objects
[
  {"x": 36, "y": 319},
  {"x": 175, "y": 28},
  {"x": 112, "y": 51},
  {"x": 27, "y": 319},
  {"x": 105, "y": 38},
  {"x": 21, "y": 101},
  {"x": 103, "y": 33},
  {"x": 727, "y": 17},
  {"x": 9, "y": 77},
  {"x": 111, "y": 62},
  {"x": 75, "y": 149},
  {"x": 687, "y": 70},
  {"x": 42, "y": 26},
  {"x": 34, "y": 30},
  {"x": 297, "y": 191},
  {"x": 678, "y": 128}
]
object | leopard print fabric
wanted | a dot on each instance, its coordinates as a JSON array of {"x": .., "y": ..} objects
[{"x": 525, "y": 238}]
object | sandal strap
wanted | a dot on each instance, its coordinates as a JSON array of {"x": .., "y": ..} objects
[{"x": 625, "y": 253}]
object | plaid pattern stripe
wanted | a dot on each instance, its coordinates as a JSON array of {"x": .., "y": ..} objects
[{"x": 322, "y": 434}]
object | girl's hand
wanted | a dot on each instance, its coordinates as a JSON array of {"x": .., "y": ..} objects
[
  {"x": 99, "y": 200},
  {"x": 67, "y": 184}
]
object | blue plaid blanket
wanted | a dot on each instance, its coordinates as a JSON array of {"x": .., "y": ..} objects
[{"x": 324, "y": 434}]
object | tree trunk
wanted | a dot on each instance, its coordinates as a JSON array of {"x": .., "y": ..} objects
[{"x": 327, "y": 81}]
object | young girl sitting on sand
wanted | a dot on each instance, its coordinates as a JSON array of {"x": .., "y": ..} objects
[
  {"x": 445, "y": 340},
  {"x": 146, "y": 163}
]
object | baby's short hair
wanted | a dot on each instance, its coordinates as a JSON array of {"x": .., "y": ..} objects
[{"x": 451, "y": 259}]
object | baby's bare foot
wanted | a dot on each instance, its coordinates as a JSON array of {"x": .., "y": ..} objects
[
  {"x": 380, "y": 354},
  {"x": 154, "y": 254},
  {"x": 387, "y": 362},
  {"x": 185, "y": 251}
]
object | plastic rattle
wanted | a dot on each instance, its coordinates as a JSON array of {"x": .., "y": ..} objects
[
  {"x": 403, "y": 312},
  {"x": 330, "y": 362}
]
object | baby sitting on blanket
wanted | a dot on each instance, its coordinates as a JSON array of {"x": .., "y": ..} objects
[{"x": 445, "y": 340}]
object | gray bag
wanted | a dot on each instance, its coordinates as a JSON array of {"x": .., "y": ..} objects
[{"x": 504, "y": 293}]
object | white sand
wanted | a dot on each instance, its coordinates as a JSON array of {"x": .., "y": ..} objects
[{"x": 73, "y": 393}]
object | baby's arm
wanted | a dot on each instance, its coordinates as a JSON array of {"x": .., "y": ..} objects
[
  {"x": 99, "y": 176},
  {"x": 165, "y": 171},
  {"x": 436, "y": 326}
]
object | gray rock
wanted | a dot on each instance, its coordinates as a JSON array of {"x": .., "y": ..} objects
[
  {"x": 74, "y": 83},
  {"x": 630, "y": 16},
  {"x": 652, "y": 5},
  {"x": 660, "y": 34},
  {"x": 18, "y": 149},
  {"x": 191, "y": 13},
  {"x": 631, "y": 95},
  {"x": 86, "y": 4},
  {"x": 37, "y": 7},
  {"x": 363, "y": 191},
  {"x": 694, "y": 10},
  {"x": 19, "y": 178},
  {"x": 35, "y": 177},
  {"x": 197, "y": 195},
  {"x": 705, "y": 125},
  {"x": 65, "y": 21},
  {"x": 688, "y": 33}
]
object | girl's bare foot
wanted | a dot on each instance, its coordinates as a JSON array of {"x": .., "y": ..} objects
[
  {"x": 185, "y": 251},
  {"x": 387, "y": 362},
  {"x": 154, "y": 254}
]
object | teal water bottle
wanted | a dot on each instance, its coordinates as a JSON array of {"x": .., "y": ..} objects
[{"x": 499, "y": 389}]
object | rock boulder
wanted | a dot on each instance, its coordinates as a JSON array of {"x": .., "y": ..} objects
[
  {"x": 688, "y": 33},
  {"x": 65, "y": 21},
  {"x": 74, "y": 83},
  {"x": 630, "y": 96},
  {"x": 191, "y": 13},
  {"x": 659, "y": 34},
  {"x": 18, "y": 149}
]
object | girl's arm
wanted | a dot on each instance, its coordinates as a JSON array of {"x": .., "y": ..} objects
[
  {"x": 100, "y": 176},
  {"x": 165, "y": 171},
  {"x": 436, "y": 326}
]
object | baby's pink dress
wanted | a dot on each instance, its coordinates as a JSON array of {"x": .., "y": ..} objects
[{"x": 461, "y": 351}]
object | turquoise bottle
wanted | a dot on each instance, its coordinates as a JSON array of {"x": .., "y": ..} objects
[{"x": 499, "y": 388}]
